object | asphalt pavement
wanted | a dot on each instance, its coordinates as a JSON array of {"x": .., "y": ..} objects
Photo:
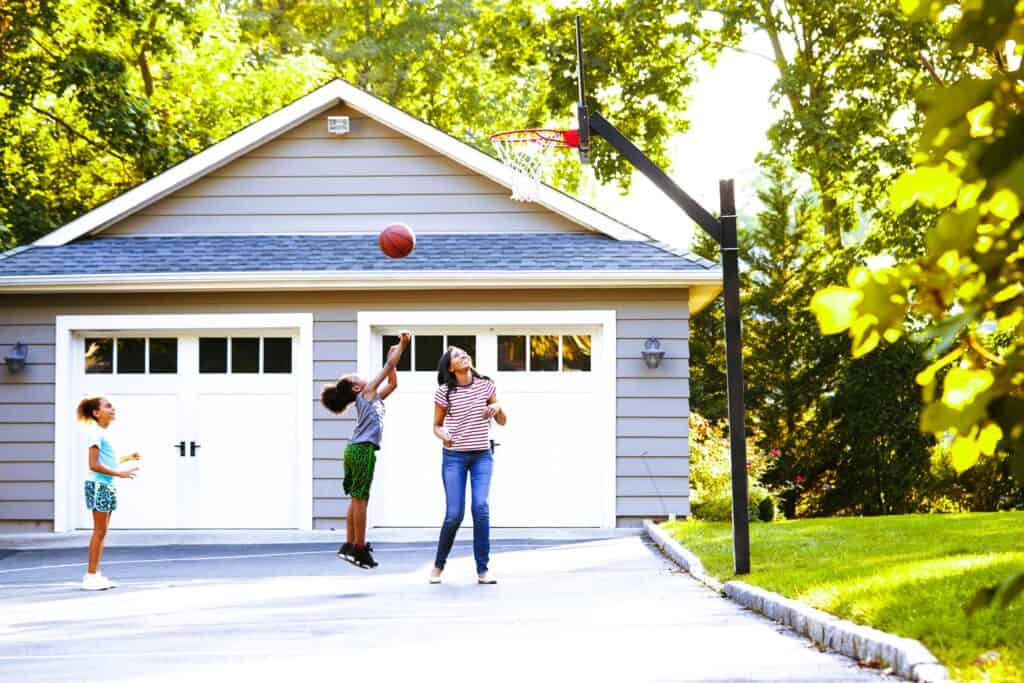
[{"x": 586, "y": 609}]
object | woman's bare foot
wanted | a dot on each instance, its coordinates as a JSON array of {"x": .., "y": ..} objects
[{"x": 435, "y": 575}]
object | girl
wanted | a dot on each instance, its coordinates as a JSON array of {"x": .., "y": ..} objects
[
  {"x": 464, "y": 403},
  {"x": 100, "y": 494},
  {"x": 360, "y": 456}
]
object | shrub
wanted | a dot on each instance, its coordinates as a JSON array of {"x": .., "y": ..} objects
[{"x": 710, "y": 480}]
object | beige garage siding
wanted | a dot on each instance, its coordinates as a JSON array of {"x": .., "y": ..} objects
[{"x": 652, "y": 461}]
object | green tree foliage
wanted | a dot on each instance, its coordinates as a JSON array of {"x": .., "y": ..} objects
[
  {"x": 969, "y": 284},
  {"x": 847, "y": 72},
  {"x": 708, "y": 394},
  {"x": 98, "y": 96},
  {"x": 873, "y": 459},
  {"x": 475, "y": 67}
]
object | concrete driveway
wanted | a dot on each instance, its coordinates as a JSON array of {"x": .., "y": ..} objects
[{"x": 585, "y": 609}]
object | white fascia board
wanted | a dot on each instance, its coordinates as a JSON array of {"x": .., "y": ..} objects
[
  {"x": 296, "y": 113},
  {"x": 328, "y": 280},
  {"x": 195, "y": 167}
]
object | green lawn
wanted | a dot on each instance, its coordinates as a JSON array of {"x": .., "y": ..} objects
[{"x": 906, "y": 574}]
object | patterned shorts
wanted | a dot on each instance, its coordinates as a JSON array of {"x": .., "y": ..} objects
[
  {"x": 100, "y": 496},
  {"x": 360, "y": 459}
]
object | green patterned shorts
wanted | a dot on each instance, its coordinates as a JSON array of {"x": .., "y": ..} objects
[
  {"x": 100, "y": 496},
  {"x": 360, "y": 459}
]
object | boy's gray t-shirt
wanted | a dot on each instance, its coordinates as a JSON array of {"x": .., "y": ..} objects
[{"x": 369, "y": 421}]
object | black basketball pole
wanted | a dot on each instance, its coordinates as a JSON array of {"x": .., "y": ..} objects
[{"x": 723, "y": 231}]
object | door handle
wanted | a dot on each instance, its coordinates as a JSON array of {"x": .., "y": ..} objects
[
  {"x": 192, "y": 446},
  {"x": 181, "y": 448}
]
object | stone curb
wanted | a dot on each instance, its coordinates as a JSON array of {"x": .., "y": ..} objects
[{"x": 905, "y": 656}]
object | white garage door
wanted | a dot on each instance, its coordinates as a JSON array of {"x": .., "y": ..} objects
[
  {"x": 214, "y": 417},
  {"x": 550, "y": 463}
]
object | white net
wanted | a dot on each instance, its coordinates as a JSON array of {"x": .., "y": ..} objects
[{"x": 527, "y": 153}]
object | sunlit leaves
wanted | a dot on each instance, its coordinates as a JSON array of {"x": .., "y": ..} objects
[
  {"x": 835, "y": 308},
  {"x": 967, "y": 288}
]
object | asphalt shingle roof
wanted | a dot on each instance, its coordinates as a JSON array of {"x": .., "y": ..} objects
[{"x": 241, "y": 253}]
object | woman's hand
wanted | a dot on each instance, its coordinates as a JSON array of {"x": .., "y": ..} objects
[
  {"x": 128, "y": 473},
  {"x": 491, "y": 410},
  {"x": 445, "y": 437},
  {"x": 133, "y": 456}
]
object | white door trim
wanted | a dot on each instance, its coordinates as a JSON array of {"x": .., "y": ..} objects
[
  {"x": 604, "y": 407},
  {"x": 67, "y": 325}
]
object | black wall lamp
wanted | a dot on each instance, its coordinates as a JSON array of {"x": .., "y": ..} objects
[
  {"x": 652, "y": 353},
  {"x": 16, "y": 358}
]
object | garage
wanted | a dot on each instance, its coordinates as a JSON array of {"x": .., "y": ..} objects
[
  {"x": 215, "y": 414},
  {"x": 554, "y": 463}
]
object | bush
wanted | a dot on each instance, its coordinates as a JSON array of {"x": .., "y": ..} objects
[{"x": 710, "y": 480}]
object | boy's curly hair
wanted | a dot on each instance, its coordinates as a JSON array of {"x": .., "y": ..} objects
[{"x": 337, "y": 397}]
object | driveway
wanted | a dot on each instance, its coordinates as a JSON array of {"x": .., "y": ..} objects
[{"x": 599, "y": 609}]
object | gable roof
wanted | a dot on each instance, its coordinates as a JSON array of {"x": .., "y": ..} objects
[{"x": 290, "y": 116}]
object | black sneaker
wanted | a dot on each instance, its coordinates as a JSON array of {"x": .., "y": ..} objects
[
  {"x": 361, "y": 557},
  {"x": 346, "y": 550}
]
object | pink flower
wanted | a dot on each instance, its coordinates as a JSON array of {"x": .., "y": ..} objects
[
  {"x": 800, "y": 479},
  {"x": 774, "y": 452}
]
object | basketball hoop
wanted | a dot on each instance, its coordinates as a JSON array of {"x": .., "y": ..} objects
[{"x": 528, "y": 153}]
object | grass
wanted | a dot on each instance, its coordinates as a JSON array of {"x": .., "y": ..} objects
[{"x": 906, "y": 574}]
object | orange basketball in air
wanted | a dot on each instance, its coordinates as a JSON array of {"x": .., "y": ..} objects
[{"x": 397, "y": 240}]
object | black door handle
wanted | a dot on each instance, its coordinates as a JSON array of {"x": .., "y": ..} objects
[
  {"x": 192, "y": 446},
  {"x": 181, "y": 448}
]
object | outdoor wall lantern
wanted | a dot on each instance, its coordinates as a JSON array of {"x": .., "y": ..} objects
[
  {"x": 16, "y": 357},
  {"x": 652, "y": 353}
]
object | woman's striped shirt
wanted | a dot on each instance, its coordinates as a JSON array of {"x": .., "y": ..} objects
[{"x": 464, "y": 417}]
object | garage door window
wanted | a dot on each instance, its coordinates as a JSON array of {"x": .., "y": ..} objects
[
  {"x": 245, "y": 355},
  {"x": 130, "y": 355},
  {"x": 425, "y": 349},
  {"x": 547, "y": 353}
]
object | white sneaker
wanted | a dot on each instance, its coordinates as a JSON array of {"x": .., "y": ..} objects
[{"x": 96, "y": 582}]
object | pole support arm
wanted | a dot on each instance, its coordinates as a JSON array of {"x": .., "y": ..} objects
[{"x": 601, "y": 126}]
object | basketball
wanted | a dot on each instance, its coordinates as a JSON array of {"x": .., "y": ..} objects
[{"x": 397, "y": 240}]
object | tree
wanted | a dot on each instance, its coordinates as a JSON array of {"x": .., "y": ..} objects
[
  {"x": 847, "y": 72},
  {"x": 708, "y": 394},
  {"x": 969, "y": 284},
  {"x": 96, "y": 97},
  {"x": 475, "y": 67}
]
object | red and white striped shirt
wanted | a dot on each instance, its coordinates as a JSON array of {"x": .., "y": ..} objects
[{"x": 464, "y": 418}]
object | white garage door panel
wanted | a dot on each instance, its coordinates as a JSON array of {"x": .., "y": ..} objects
[
  {"x": 543, "y": 469},
  {"x": 409, "y": 461},
  {"x": 147, "y": 424},
  {"x": 244, "y": 427},
  {"x": 244, "y": 464},
  {"x": 549, "y": 464}
]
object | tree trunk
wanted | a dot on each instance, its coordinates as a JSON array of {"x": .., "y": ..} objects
[{"x": 147, "y": 76}]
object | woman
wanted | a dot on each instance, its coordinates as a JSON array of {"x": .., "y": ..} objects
[{"x": 464, "y": 403}]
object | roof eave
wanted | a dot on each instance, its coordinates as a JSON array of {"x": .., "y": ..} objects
[{"x": 705, "y": 284}]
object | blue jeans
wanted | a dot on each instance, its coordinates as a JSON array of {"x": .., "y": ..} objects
[{"x": 454, "y": 467}]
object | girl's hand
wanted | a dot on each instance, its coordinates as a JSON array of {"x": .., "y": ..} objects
[
  {"x": 133, "y": 456},
  {"x": 446, "y": 438},
  {"x": 129, "y": 473},
  {"x": 491, "y": 410}
]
